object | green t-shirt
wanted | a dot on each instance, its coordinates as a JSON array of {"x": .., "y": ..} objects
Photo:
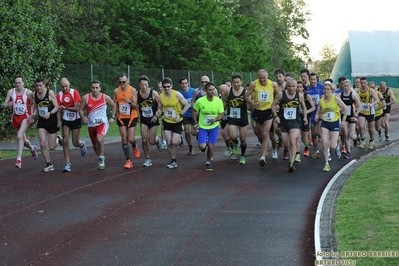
[{"x": 208, "y": 110}]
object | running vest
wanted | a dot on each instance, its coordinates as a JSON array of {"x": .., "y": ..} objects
[
  {"x": 171, "y": 107},
  {"x": 125, "y": 110},
  {"x": 350, "y": 104},
  {"x": 96, "y": 110},
  {"x": 20, "y": 103},
  {"x": 381, "y": 110},
  {"x": 330, "y": 111},
  {"x": 188, "y": 96},
  {"x": 289, "y": 108},
  {"x": 147, "y": 106},
  {"x": 365, "y": 97},
  {"x": 68, "y": 100},
  {"x": 237, "y": 106},
  {"x": 264, "y": 94},
  {"x": 387, "y": 99},
  {"x": 45, "y": 106}
]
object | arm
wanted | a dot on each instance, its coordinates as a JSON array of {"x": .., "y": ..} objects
[
  {"x": 111, "y": 103},
  {"x": 342, "y": 106},
  {"x": 82, "y": 108},
  {"x": 276, "y": 100},
  {"x": 384, "y": 104},
  {"x": 310, "y": 100},
  {"x": 375, "y": 97},
  {"x": 7, "y": 103},
  {"x": 356, "y": 98},
  {"x": 318, "y": 113},
  {"x": 194, "y": 114},
  {"x": 249, "y": 98},
  {"x": 392, "y": 96},
  {"x": 183, "y": 102},
  {"x": 158, "y": 113},
  {"x": 304, "y": 109}
]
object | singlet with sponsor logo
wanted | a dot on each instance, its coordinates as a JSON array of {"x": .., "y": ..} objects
[
  {"x": 264, "y": 94},
  {"x": 68, "y": 100},
  {"x": 350, "y": 103},
  {"x": 44, "y": 106},
  {"x": 147, "y": 106},
  {"x": 20, "y": 103},
  {"x": 330, "y": 111},
  {"x": 171, "y": 107},
  {"x": 289, "y": 108},
  {"x": 237, "y": 106},
  {"x": 96, "y": 110},
  {"x": 365, "y": 97}
]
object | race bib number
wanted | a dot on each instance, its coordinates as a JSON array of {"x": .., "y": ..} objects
[
  {"x": 349, "y": 109},
  {"x": 42, "y": 111},
  {"x": 170, "y": 113},
  {"x": 147, "y": 112},
  {"x": 290, "y": 113},
  {"x": 365, "y": 107},
  {"x": 19, "y": 109},
  {"x": 315, "y": 99},
  {"x": 69, "y": 116},
  {"x": 208, "y": 119},
  {"x": 264, "y": 96},
  {"x": 328, "y": 116},
  {"x": 235, "y": 112},
  {"x": 98, "y": 120},
  {"x": 124, "y": 108}
]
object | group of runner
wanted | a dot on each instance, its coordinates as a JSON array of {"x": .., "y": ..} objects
[{"x": 286, "y": 108}]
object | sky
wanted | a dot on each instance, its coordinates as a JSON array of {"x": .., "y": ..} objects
[{"x": 331, "y": 20}]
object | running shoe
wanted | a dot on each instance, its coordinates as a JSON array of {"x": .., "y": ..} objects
[
  {"x": 191, "y": 151},
  {"x": 101, "y": 163},
  {"x": 60, "y": 139},
  {"x": 279, "y": 143},
  {"x": 181, "y": 142},
  {"x": 128, "y": 164},
  {"x": 172, "y": 165},
  {"x": 262, "y": 161},
  {"x": 67, "y": 168},
  {"x": 380, "y": 136},
  {"x": 258, "y": 144},
  {"x": 355, "y": 143},
  {"x": 315, "y": 155},
  {"x": 159, "y": 143},
  {"x": 18, "y": 163},
  {"x": 242, "y": 160},
  {"x": 306, "y": 152},
  {"x": 274, "y": 154},
  {"x": 233, "y": 157},
  {"x": 361, "y": 144},
  {"x": 136, "y": 151},
  {"x": 34, "y": 152},
  {"x": 371, "y": 145},
  {"x": 297, "y": 158},
  {"x": 228, "y": 152},
  {"x": 235, "y": 149},
  {"x": 338, "y": 152},
  {"x": 48, "y": 168},
  {"x": 83, "y": 149},
  {"x": 147, "y": 162},
  {"x": 343, "y": 150},
  {"x": 291, "y": 167},
  {"x": 285, "y": 155},
  {"x": 326, "y": 168},
  {"x": 164, "y": 146},
  {"x": 386, "y": 138},
  {"x": 329, "y": 155},
  {"x": 208, "y": 167},
  {"x": 348, "y": 156}
]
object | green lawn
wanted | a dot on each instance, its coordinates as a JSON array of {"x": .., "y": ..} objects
[{"x": 367, "y": 214}]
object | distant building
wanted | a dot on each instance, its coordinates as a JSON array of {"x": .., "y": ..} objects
[{"x": 374, "y": 55}]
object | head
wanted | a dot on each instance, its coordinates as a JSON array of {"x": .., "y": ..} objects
[
  {"x": 167, "y": 85},
  {"x": 144, "y": 82},
  {"x": 328, "y": 88},
  {"x": 204, "y": 80},
  {"x": 95, "y": 87},
  {"x": 262, "y": 77},
  {"x": 291, "y": 86},
  {"x": 228, "y": 83},
  {"x": 223, "y": 88},
  {"x": 383, "y": 86},
  {"x": 304, "y": 73},
  {"x": 40, "y": 84},
  {"x": 372, "y": 85},
  {"x": 312, "y": 80},
  {"x": 159, "y": 86},
  {"x": 237, "y": 81},
  {"x": 357, "y": 82},
  {"x": 210, "y": 88},
  {"x": 19, "y": 82},
  {"x": 288, "y": 76},
  {"x": 347, "y": 85},
  {"x": 341, "y": 81},
  {"x": 64, "y": 83},
  {"x": 279, "y": 74},
  {"x": 123, "y": 81},
  {"x": 183, "y": 82},
  {"x": 363, "y": 83},
  {"x": 300, "y": 87}
]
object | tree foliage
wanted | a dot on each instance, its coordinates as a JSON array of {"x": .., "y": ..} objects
[
  {"x": 28, "y": 48},
  {"x": 326, "y": 65}
]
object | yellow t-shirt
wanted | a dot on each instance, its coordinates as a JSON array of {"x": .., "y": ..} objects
[{"x": 264, "y": 95}]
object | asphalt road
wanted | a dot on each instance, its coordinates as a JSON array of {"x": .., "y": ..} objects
[{"x": 233, "y": 215}]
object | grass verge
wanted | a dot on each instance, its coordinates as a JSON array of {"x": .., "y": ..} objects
[{"x": 367, "y": 211}]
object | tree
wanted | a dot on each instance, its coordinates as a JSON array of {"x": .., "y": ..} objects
[
  {"x": 28, "y": 48},
  {"x": 327, "y": 62}
]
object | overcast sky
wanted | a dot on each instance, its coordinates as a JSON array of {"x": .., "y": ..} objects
[{"x": 331, "y": 20}]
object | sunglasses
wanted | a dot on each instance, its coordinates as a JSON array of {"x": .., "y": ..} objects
[
  {"x": 122, "y": 82},
  {"x": 166, "y": 87}
]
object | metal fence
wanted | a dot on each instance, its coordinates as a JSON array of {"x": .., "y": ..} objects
[{"x": 80, "y": 76}]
